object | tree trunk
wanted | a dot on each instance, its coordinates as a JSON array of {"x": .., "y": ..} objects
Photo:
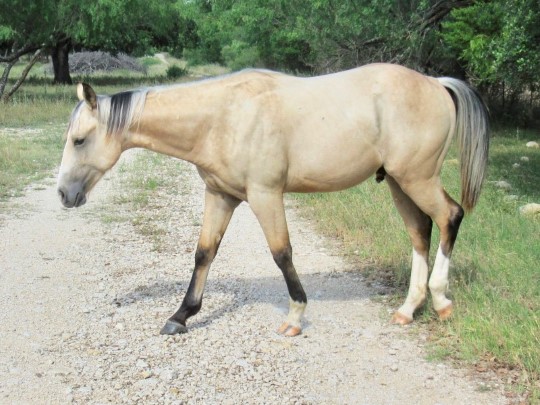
[
  {"x": 5, "y": 97},
  {"x": 10, "y": 59},
  {"x": 60, "y": 60},
  {"x": 4, "y": 78}
]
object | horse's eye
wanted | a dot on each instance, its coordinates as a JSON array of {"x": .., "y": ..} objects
[{"x": 78, "y": 142}]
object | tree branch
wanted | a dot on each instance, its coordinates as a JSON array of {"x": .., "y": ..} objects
[
  {"x": 6, "y": 97},
  {"x": 14, "y": 56},
  {"x": 439, "y": 11}
]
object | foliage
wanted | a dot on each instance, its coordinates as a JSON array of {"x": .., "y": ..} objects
[
  {"x": 246, "y": 33},
  {"x": 132, "y": 26},
  {"x": 499, "y": 47},
  {"x": 313, "y": 35}
]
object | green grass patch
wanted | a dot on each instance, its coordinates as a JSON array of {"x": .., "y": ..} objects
[
  {"x": 27, "y": 155},
  {"x": 495, "y": 272},
  {"x": 147, "y": 183}
]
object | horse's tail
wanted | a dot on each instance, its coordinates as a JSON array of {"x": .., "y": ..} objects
[{"x": 472, "y": 129}]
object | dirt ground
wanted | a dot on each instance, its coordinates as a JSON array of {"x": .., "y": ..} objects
[{"x": 83, "y": 302}]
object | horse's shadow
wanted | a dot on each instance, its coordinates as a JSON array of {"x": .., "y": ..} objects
[{"x": 239, "y": 292}]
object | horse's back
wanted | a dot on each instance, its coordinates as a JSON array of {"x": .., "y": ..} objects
[
  {"x": 331, "y": 132},
  {"x": 340, "y": 128}
]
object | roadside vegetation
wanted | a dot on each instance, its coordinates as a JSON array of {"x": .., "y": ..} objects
[
  {"x": 495, "y": 278},
  {"x": 495, "y": 273}
]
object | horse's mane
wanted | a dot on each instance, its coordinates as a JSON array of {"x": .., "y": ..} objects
[
  {"x": 120, "y": 110},
  {"x": 117, "y": 112}
]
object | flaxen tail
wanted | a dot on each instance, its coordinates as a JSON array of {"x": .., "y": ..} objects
[{"x": 472, "y": 129}]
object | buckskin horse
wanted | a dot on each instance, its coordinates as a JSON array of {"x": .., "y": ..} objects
[{"x": 257, "y": 134}]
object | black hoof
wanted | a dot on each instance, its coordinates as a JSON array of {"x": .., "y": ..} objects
[{"x": 172, "y": 328}]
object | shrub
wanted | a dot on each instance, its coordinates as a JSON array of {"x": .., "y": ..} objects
[
  {"x": 175, "y": 71},
  {"x": 239, "y": 55}
]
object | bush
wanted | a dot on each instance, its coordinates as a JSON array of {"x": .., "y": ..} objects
[
  {"x": 239, "y": 55},
  {"x": 175, "y": 71}
]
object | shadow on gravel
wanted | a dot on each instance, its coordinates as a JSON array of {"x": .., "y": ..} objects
[{"x": 347, "y": 286}]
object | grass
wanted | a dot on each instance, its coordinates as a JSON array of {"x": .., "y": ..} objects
[
  {"x": 495, "y": 275},
  {"x": 27, "y": 156},
  {"x": 148, "y": 183}
]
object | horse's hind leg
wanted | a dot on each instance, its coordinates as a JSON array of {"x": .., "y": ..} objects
[
  {"x": 447, "y": 214},
  {"x": 419, "y": 227},
  {"x": 269, "y": 210},
  {"x": 218, "y": 210},
  {"x": 438, "y": 282}
]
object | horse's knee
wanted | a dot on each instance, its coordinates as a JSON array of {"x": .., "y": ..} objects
[
  {"x": 283, "y": 257},
  {"x": 202, "y": 257}
]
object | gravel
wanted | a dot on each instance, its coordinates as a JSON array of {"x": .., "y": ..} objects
[{"x": 83, "y": 302}]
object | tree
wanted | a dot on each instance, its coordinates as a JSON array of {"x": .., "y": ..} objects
[
  {"x": 499, "y": 48},
  {"x": 55, "y": 26},
  {"x": 19, "y": 37},
  {"x": 318, "y": 35},
  {"x": 245, "y": 33}
]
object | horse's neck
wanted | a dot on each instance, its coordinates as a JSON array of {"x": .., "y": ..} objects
[{"x": 176, "y": 121}]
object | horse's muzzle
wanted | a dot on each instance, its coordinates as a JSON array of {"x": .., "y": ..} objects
[{"x": 73, "y": 197}]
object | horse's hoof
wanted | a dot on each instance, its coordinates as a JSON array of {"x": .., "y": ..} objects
[
  {"x": 172, "y": 328},
  {"x": 445, "y": 313},
  {"x": 287, "y": 330},
  {"x": 400, "y": 319},
  {"x": 293, "y": 331},
  {"x": 284, "y": 326}
]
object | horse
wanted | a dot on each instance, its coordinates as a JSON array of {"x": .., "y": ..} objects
[{"x": 257, "y": 134}]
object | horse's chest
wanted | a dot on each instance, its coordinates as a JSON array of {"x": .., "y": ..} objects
[{"x": 224, "y": 184}]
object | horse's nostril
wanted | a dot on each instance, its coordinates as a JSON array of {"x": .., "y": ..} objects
[{"x": 61, "y": 194}]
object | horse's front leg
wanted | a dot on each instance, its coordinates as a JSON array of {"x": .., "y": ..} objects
[
  {"x": 218, "y": 210},
  {"x": 269, "y": 210}
]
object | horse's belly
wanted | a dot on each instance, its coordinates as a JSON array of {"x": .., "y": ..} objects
[{"x": 332, "y": 174}]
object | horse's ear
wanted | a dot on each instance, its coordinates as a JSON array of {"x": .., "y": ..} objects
[{"x": 86, "y": 93}]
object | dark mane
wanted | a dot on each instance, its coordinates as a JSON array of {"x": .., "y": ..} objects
[
  {"x": 118, "y": 119},
  {"x": 120, "y": 110}
]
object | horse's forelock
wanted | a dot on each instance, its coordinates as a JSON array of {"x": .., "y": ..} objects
[{"x": 74, "y": 118}]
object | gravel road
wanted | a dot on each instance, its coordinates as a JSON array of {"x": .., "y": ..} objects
[{"x": 83, "y": 302}]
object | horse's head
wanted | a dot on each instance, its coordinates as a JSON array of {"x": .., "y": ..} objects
[{"x": 89, "y": 151}]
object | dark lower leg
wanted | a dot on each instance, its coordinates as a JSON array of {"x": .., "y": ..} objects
[
  {"x": 217, "y": 214},
  {"x": 283, "y": 259},
  {"x": 297, "y": 296},
  {"x": 192, "y": 301}
]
